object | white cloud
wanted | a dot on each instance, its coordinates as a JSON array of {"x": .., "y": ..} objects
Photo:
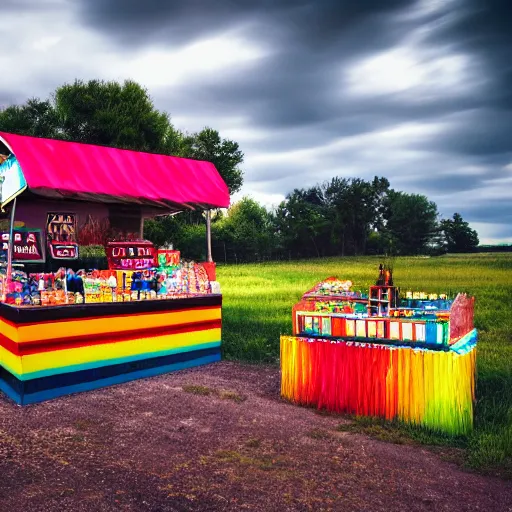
[
  {"x": 269, "y": 200},
  {"x": 74, "y": 52},
  {"x": 45, "y": 43},
  {"x": 409, "y": 70},
  {"x": 156, "y": 67}
]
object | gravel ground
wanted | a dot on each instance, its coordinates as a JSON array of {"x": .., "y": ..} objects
[{"x": 216, "y": 438}]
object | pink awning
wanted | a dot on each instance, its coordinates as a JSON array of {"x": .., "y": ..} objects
[{"x": 59, "y": 169}]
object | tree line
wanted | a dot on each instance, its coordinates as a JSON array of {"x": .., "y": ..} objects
[{"x": 339, "y": 217}]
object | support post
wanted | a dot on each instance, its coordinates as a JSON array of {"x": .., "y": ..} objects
[
  {"x": 141, "y": 227},
  {"x": 209, "y": 236},
  {"x": 10, "y": 247}
]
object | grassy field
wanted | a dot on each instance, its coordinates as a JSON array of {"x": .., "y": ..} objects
[{"x": 257, "y": 309}]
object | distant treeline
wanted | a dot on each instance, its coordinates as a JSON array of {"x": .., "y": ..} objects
[
  {"x": 337, "y": 218},
  {"x": 494, "y": 248}
]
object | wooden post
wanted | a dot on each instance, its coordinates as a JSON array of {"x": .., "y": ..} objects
[{"x": 209, "y": 236}]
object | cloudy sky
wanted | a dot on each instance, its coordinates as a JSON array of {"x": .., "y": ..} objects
[{"x": 419, "y": 91}]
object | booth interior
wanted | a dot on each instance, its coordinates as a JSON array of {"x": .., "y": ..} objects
[{"x": 146, "y": 311}]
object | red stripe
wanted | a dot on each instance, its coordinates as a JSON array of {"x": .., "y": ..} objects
[
  {"x": 9, "y": 345},
  {"x": 88, "y": 340},
  {"x": 62, "y": 323}
]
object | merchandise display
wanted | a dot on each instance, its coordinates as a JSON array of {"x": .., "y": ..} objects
[
  {"x": 102, "y": 286},
  {"x": 147, "y": 312},
  {"x": 409, "y": 357}
]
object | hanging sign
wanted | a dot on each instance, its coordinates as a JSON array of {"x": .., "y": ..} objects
[
  {"x": 60, "y": 251},
  {"x": 27, "y": 247},
  {"x": 12, "y": 181},
  {"x": 61, "y": 235},
  {"x": 139, "y": 255}
]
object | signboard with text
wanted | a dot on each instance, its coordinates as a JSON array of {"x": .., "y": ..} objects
[
  {"x": 60, "y": 251},
  {"x": 27, "y": 247},
  {"x": 131, "y": 255},
  {"x": 61, "y": 234}
]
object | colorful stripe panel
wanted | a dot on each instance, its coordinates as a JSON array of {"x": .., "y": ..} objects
[
  {"x": 43, "y": 359},
  {"x": 432, "y": 389}
]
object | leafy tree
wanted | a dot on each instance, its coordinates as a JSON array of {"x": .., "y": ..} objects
[
  {"x": 355, "y": 208},
  {"x": 223, "y": 153},
  {"x": 114, "y": 114},
  {"x": 163, "y": 231},
  {"x": 459, "y": 236},
  {"x": 36, "y": 118},
  {"x": 246, "y": 232},
  {"x": 411, "y": 222},
  {"x": 302, "y": 224}
]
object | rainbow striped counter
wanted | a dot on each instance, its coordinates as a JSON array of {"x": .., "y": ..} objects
[
  {"x": 54, "y": 351},
  {"x": 434, "y": 389},
  {"x": 408, "y": 360}
]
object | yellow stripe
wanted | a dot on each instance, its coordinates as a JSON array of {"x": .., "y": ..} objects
[
  {"x": 59, "y": 358},
  {"x": 10, "y": 361},
  {"x": 92, "y": 326}
]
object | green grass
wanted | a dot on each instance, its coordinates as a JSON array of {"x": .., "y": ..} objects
[{"x": 258, "y": 300}]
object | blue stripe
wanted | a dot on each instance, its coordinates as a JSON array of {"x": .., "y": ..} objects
[
  {"x": 10, "y": 392},
  {"x": 118, "y": 379},
  {"x": 109, "y": 362},
  {"x": 48, "y": 394},
  {"x": 466, "y": 343}
]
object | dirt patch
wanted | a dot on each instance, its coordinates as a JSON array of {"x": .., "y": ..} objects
[{"x": 216, "y": 438}]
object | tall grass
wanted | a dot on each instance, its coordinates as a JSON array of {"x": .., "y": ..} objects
[{"x": 257, "y": 307}]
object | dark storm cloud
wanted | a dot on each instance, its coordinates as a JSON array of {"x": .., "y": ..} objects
[
  {"x": 479, "y": 133},
  {"x": 482, "y": 27},
  {"x": 449, "y": 183},
  {"x": 311, "y": 42},
  {"x": 308, "y": 22},
  {"x": 308, "y": 44}
]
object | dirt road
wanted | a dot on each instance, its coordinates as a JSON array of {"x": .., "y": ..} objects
[{"x": 216, "y": 438}]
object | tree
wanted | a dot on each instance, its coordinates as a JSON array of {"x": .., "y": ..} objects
[
  {"x": 114, "y": 114},
  {"x": 302, "y": 224},
  {"x": 246, "y": 232},
  {"x": 223, "y": 153},
  {"x": 411, "y": 222},
  {"x": 459, "y": 236},
  {"x": 36, "y": 118},
  {"x": 163, "y": 231},
  {"x": 355, "y": 208}
]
